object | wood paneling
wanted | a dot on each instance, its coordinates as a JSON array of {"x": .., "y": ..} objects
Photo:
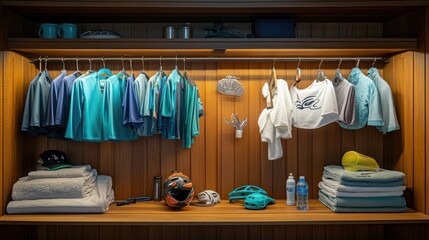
[
  {"x": 343, "y": 231},
  {"x": 427, "y": 107},
  {"x": 419, "y": 118},
  {"x": 2, "y": 47},
  {"x": 217, "y": 160}
]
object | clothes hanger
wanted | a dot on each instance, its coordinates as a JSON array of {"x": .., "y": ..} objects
[
  {"x": 338, "y": 77},
  {"x": 123, "y": 73},
  {"x": 272, "y": 85},
  {"x": 357, "y": 62},
  {"x": 298, "y": 76},
  {"x": 131, "y": 66},
  {"x": 104, "y": 72},
  {"x": 373, "y": 62},
  {"x": 77, "y": 73},
  {"x": 320, "y": 75},
  {"x": 185, "y": 74},
  {"x": 40, "y": 64},
  {"x": 46, "y": 63},
  {"x": 90, "y": 67},
  {"x": 64, "y": 65},
  {"x": 160, "y": 64}
]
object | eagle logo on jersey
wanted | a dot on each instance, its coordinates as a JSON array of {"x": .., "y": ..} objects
[{"x": 309, "y": 102}]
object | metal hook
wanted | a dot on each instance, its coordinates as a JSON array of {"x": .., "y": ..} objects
[
  {"x": 77, "y": 64},
  {"x": 122, "y": 61},
  {"x": 320, "y": 64},
  {"x": 184, "y": 64},
  {"x": 274, "y": 62},
  {"x": 176, "y": 61},
  {"x": 40, "y": 63},
  {"x": 375, "y": 59},
  {"x": 299, "y": 61},
  {"x": 104, "y": 64},
  {"x": 339, "y": 64},
  {"x": 142, "y": 63},
  {"x": 90, "y": 63},
  {"x": 160, "y": 63},
  {"x": 131, "y": 65},
  {"x": 357, "y": 62},
  {"x": 64, "y": 64},
  {"x": 46, "y": 63}
]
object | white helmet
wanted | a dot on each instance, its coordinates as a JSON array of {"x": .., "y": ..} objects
[{"x": 207, "y": 198}]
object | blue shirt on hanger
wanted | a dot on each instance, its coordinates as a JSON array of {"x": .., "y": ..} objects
[
  {"x": 131, "y": 116},
  {"x": 367, "y": 102}
]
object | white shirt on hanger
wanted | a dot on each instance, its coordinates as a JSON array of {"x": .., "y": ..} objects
[
  {"x": 276, "y": 123},
  {"x": 314, "y": 106}
]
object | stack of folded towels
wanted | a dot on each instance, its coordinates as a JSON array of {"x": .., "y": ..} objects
[
  {"x": 362, "y": 191},
  {"x": 78, "y": 189}
]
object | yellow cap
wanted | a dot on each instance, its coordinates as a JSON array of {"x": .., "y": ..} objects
[{"x": 354, "y": 161}]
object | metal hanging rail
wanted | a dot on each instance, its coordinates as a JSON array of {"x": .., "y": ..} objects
[{"x": 212, "y": 59}]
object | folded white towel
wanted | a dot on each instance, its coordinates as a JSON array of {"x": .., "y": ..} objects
[
  {"x": 345, "y": 188},
  {"x": 73, "y": 172},
  {"x": 96, "y": 203},
  {"x": 45, "y": 188},
  {"x": 334, "y": 193}
]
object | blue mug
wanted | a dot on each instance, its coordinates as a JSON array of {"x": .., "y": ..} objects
[
  {"x": 67, "y": 30},
  {"x": 48, "y": 30}
]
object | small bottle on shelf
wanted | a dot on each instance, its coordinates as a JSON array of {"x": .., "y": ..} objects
[
  {"x": 290, "y": 190},
  {"x": 302, "y": 194}
]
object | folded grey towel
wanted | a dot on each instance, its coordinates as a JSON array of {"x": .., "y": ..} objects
[
  {"x": 73, "y": 172},
  {"x": 334, "y": 193},
  {"x": 356, "y": 189},
  {"x": 44, "y": 188},
  {"x": 362, "y": 209},
  {"x": 363, "y": 201},
  {"x": 98, "y": 202},
  {"x": 363, "y": 178}
]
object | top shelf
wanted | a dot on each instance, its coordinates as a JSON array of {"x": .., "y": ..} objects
[
  {"x": 256, "y": 47},
  {"x": 104, "y": 11}
]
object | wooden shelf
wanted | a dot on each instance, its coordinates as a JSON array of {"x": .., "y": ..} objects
[
  {"x": 270, "y": 47},
  {"x": 211, "y": 9},
  {"x": 157, "y": 213}
]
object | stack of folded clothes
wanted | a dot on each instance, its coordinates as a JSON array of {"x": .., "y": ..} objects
[
  {"x": 362, "y": 191},
  {"x": 78, "y": 189}
]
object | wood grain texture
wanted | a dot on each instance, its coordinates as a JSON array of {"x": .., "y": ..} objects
[
  {"x": 419, "y": 120},
  {"x": 2, "y": 47},
  {"x": 225, "y": 213},
  {"x": 427, "y": 107},
  {"x": 293, "y": 232},
  {"x": 217, "y": 160}
]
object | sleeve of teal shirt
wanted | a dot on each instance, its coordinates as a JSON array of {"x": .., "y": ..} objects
[
  {"x": 166, "y": 108},
  {"x": 75, "y": 114},
  {"x": 195, "y": 113},
  {"x": 375, "y": 115}
]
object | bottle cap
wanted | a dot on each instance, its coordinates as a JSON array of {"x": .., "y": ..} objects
[
  {"x": 301, "y": 177},
  {"x": 290, "y": 176}
]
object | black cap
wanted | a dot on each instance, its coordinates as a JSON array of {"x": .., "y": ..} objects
[{"x": 52, "y": 160}]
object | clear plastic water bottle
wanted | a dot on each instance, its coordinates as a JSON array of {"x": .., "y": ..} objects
[
  {"x": 290, "y": 190},
  {"x": 302, "y": 194}
]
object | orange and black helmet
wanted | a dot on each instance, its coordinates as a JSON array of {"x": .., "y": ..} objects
[{"x": 178, "y": 190}]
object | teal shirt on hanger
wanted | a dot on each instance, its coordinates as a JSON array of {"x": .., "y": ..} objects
[
  {"x": 113, "y": 110},
  {"x": 86, "y": 109}
]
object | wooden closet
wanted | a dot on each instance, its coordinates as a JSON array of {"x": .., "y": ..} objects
[{"x": 397, "y": 30}]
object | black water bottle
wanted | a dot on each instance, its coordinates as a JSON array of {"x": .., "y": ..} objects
[{"x": 157, "y": 188}]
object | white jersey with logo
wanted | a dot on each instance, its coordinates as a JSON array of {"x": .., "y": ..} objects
[{"x": 314, "y": 106}]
